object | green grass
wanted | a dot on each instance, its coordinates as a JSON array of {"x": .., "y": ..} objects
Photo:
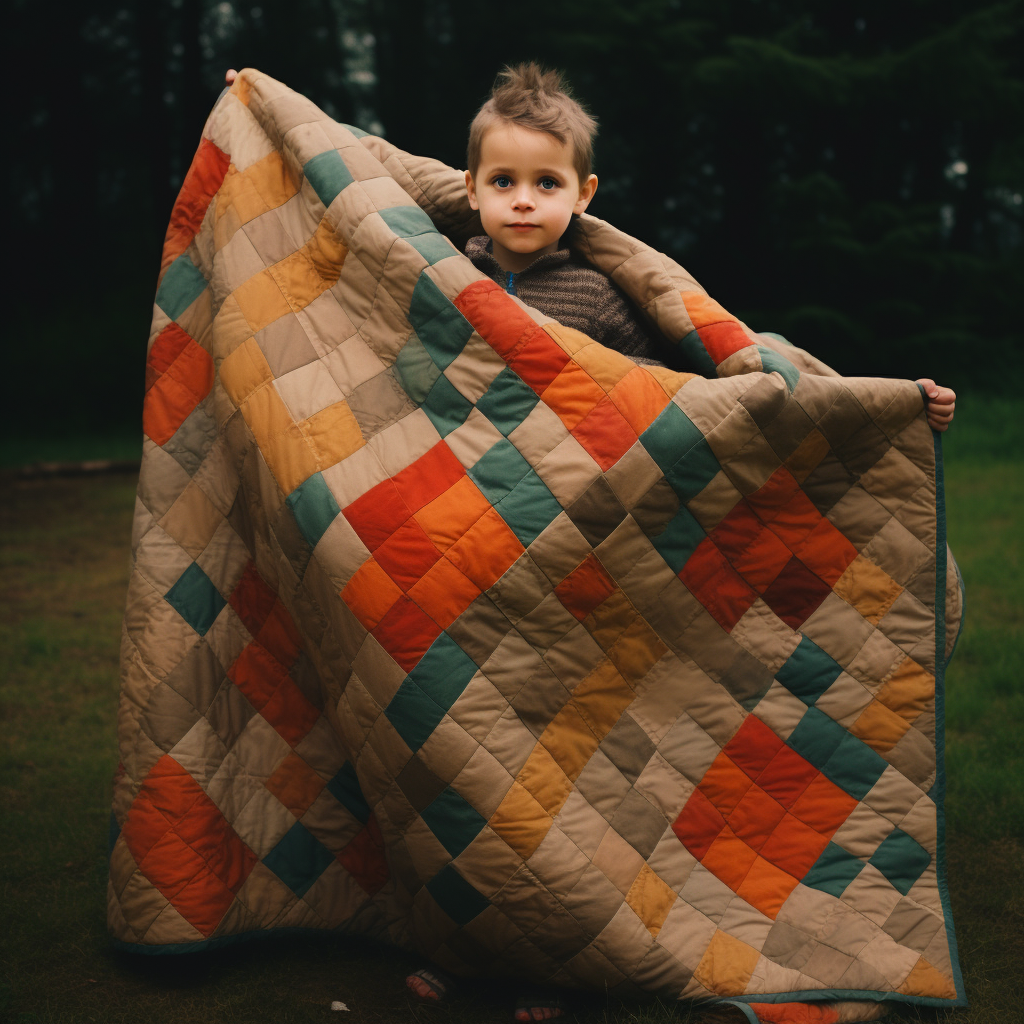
[
  {"x": 984, "y": 693},
  {"x": 64, "y": 566},
  {"x": 114, "y": 443}
]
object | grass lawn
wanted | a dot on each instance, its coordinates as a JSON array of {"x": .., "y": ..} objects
[{"x": 64, "y": 566}]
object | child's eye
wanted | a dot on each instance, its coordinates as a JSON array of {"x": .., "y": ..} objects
[
  {"x": 502, "y": 181},
  {"x": 548, "y": 184}
]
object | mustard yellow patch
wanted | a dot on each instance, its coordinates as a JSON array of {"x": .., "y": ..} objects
[
  {"x": 868, "y": 588},
  {"x": 571, "y": 742},
  {"x": 242, "y": 90},
  {"x": 543, "y": 776},
  {"x": 261, "y": 300},
  {"x": 327, "y": 252},
  {"x": 333, "y": 434},
  {"x": 261, "y": 187},
  {"x": 909, "y": 690},
  {"x": 284, "y": 447},
  {"x": 604, "y": 365},
  {"x": 727, "y": 965},
  {"x": 599, "y": 699},
  {"x": 521, "y": 821},
  {"x": 568, "y": 339},
  {"x": 244, "y": 371},
  {"x": 926, "y": 980},
  {"x": 651, "y": 899},
  {"x": 880, "y": 728}
]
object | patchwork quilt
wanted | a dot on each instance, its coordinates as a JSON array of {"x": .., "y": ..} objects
[{"x": 449, "y": 626}]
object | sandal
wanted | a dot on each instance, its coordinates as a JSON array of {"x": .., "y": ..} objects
[
  {"x": 429, "y": 984},
  {"x": 536, "y": 1006}
]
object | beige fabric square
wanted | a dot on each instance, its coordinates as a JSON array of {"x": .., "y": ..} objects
[
  {"x": 328, "y": 326},
  {"x": 513, "y": 662},
  {"x": 633, "y": 475},
  {"x": 478, "y": 708},
  {"x": 618, "y": 860},
  {"x": 624, "y": 939},
  {"x": 473, "y": 439},
  {"x": 511, "y": 742},
  {"x": 672, "y": 862},
  {"x": 448, "y": 749},
  {"x": 894, "y": 478},
  {"x": 859, "y": 516},
  {"x": 539, "y": 433},
  {"x": 547, "y": 623},
  {"x": 171, "y": 923},
  {"x": 483, "y": 781},
  {"x": 582, "y": 823},
  {"x": 307, "y": 390},
  {"x": 687, "y": 932},
  {"x": 192, "y": 519},
  {"x": 664, "y": 786},
  {"x": 162, "y": 481},
  {"x": 262, "y": 823},
  {"x": 763, "y": 634},
  {"x": 892, "y": 795},
  {"x": 246, "y": 146},
  {"x": 567, "y": 471},
  {"x": 904, "y": 621},
  {"x": 559, "y": 549},
  {"x": 845, "y": 701},
  {"x": 875, "y": 661},
  {"x": 474, "y": 369},
  {"x": 199, "y": 751},
  {"x": 862, "y": 831},
  {"x": 224, "y": 558},
  {"x": 837, "y": 629},
  {"x": 559, "y": 862},
  {"x": 742, "y": 919},
  {"x": 913, "y": 754},
  {"x": 155, "y": 629}
]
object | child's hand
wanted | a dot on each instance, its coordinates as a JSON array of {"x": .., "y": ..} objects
[
  {"x": 940, "y": 404},
  {"x": 229, "y": 76}
]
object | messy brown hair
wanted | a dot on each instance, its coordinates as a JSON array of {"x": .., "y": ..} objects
[{"x": 530, "y": 97}]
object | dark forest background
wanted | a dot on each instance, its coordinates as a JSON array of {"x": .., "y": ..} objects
[{"x": 849, "y": 174}]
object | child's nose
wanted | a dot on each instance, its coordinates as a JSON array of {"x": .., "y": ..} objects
[{"x": 523, "y": 198}]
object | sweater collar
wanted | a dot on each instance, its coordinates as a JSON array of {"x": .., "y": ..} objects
[{"x": 479, "y": 251}]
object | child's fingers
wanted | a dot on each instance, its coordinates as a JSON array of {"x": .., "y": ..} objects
[
  {"x": 229, "y": 76},
  {"x": 930, "y": 387},
  {"x": 940, "y": 415}
]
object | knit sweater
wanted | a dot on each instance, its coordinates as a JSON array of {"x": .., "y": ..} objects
[{"x": 578, "y": 296}]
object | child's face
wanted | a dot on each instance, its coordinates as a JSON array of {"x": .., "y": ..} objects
[{"x": 526, "y": 190}]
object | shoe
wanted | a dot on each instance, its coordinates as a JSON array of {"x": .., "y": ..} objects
[
  {"x": 429, "y": 984},
  {"x": 536, "y": 1006}
]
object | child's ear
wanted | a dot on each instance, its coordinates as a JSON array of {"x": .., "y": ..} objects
[
  {"x": 471, "y": 191},
  {"x": 587, "y": 190}
]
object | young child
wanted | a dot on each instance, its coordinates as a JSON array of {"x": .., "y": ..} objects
[{"x": 529, "y": 157}]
